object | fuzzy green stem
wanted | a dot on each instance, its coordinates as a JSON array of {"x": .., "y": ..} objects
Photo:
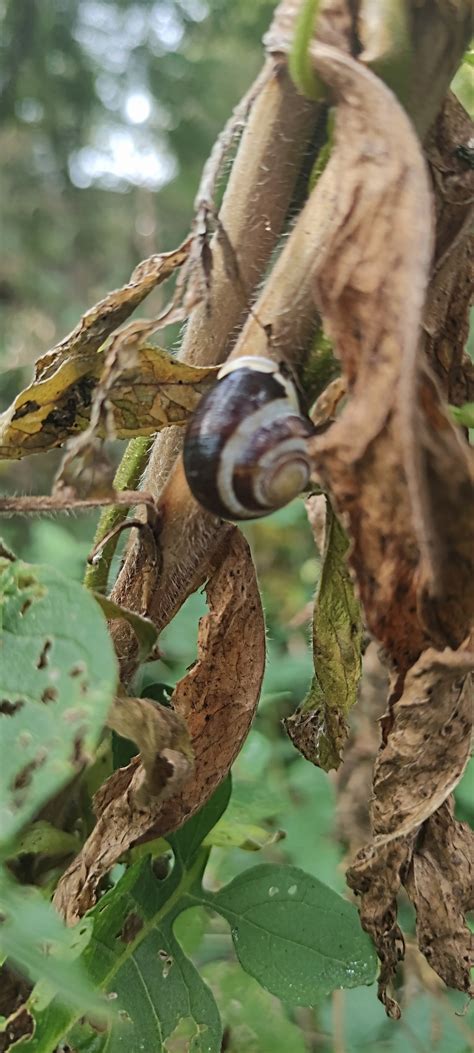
[
  {"x": 299, "y": 62},
  {"x": 127, "y": 477}
]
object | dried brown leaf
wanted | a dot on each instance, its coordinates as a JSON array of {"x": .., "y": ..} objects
[
  {"x": 440, "y": 884},
  {"x": 354, "y": 777},
  {"x": 446, "y": 316},
  {"x": 218, "y": 697},
  {"x": 370, "y": 282},
  {"x": 101, "y": 320},
  {"x": 156, "y": 730},
  {"x": 375, "y": 875},
  {"x": 129, "y": 800},
  {"x": 427, "y": 743},
  {"x": 426, "y": 748},
  {"x": 215, "y": 702}
]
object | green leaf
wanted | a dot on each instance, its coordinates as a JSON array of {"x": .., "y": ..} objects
[
  {"x": 463, "y": 415},
  {"x": 187, "y": 841},
  {"x": 143, "y": 628},
  {"x": 319, "y": 727},
  {"x": 296, "y": 936},
  {"x": 256, "y": 1021},
  {"x": 251, "y": 838},
  {"x": 34, "y": 939},
  {"x": 58, "y": 676},
  {"x": 134, "y": 958},
  {"x": 47, "y": 839},
  {"x": 161, "y": 1000}
]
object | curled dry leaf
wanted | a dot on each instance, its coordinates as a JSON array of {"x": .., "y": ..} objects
[
  {"x": 319, "y": 727},
  {"x": 427, "y": 743},
  {"x": 399, "y": 473},
  {"x": 440, "y": 884},
  {"x": 427, "y": 740},
  {"x": 218, "y": 697},
  {"x": 129, "y": 389},
  {"x": 354, "y": 777},
  {"x": 375, "y": 876},
  {"x": 130, "y": 798},
  {"x": 101, "y": 320},
  {"x": 446, "y": 316},
  {"x": 159, "y": 734},
  {"x": 370, "y": 283},
  {"x": 215, "y": 702}
]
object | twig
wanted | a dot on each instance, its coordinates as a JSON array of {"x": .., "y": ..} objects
[{"x": 68, "y": 502}]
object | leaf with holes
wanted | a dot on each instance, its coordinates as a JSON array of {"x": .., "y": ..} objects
[
  {"x": 134, "y": 958},
  {"x": 36, "y": 941},
  {"x": 296, "y": 936},
  {"x": 58, "y": 676}
]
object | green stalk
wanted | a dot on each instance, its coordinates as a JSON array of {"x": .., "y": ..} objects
[
  {"x": 127, "y": 477},
  {"x": 299, "y": 61}
]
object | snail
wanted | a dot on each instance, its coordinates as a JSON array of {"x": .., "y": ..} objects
[{"x": 245, "y": 448}]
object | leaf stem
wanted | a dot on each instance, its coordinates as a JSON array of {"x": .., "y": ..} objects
[
  {"x": 127, "y": 477},
  {"x": 300, "y": 65}
]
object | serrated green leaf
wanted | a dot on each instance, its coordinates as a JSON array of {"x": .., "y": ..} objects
[
  {"x": 58, "y": 676},
  {"x": 319, "y": 727},
  {"x": 296, "y": 936}
]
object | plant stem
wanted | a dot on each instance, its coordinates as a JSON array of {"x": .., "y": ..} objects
[{"x": 127, "y": 477}]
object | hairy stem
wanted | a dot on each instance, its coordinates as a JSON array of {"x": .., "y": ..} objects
[{"x": 127, "y": 477}]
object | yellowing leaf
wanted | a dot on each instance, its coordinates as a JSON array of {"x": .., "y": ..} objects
[
  {"x": 146, "y": 390},
  {"x": 318, "y": 728}
]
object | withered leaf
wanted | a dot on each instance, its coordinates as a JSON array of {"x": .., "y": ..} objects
[
  {"x": 426, "y": 747},
  {"x": 440, "y": 884},
  {"x": 215, "y": 701},
  {"x": 218, "y": 697},
  {"x": 101, "y": 320},
  {"x": 427, "y": 743},
  {"x": 375, "y": 876},
  {"x": 129, "y": 799},
  {"x": 144, "y": 388},
  {"x": 369, "y": 284},
  {"x": 400, "y": 472},
  {"x": 319, "y": 727},
  {"x": 393, "y": 461}
]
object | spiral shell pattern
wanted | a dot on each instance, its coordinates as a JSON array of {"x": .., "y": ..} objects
[{"x": 245, "y": 449}]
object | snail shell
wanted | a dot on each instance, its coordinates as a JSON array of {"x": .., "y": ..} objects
[{"x": 245, "y": 448}]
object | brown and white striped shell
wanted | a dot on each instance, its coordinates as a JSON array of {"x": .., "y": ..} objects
[{"x": 245, "y": 449}]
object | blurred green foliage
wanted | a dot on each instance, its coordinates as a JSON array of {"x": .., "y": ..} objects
[{"x": 108, "y": 111}]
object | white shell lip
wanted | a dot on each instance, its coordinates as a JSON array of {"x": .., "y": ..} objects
[
  {"x": 262, "y": 365},
  {"x": 258, "y": 362}
]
